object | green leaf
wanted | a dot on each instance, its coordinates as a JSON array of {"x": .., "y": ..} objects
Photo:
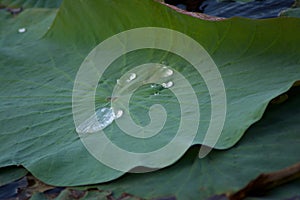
[
  {"x": 32, "y": 3},
  {"x": 10, "y": 174},
  {"x": 271, "y": 144},
  {"x": 258, "y": 60}
]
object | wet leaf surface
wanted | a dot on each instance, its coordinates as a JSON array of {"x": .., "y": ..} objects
[
  {"x": 258, "y": 60},
  {"x": 271, "y": 144}
]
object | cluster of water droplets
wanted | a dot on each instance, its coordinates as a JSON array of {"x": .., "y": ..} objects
[
  {"x": 103, "y": 117},
  {"x": 165, "y": 73}
]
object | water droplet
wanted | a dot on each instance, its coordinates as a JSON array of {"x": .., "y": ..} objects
[
  {"x": 152, "y": 86},
  {"x": 167, "y": 72},
  {"x": 131, "y": 77},
  {"x": 168, "y": 84},
  {"x": 156, "y": 93},
  {"x": 98, "y": 121},
  {"x": 118, "y": 114},
  {"x": 22, "y": 30},
  {"x": 118, "y": 81}
]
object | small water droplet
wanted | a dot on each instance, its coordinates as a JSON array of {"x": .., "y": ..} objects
[
  {"x": 156, "y": 93},
  {"x": 22, "y": 30},
  {"x": 118, "y": 81},
  {"x": 131, "y": 77},
  {"x": 168, "y": 72},
  {"x": 152, "y": 86},
  {"x": 168, "y": 84},
  {"x": 98, "y": 121},
  {"x": 118, "y": 114}
]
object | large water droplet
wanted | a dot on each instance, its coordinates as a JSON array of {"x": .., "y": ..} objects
[
  {"x": 168, "y": 84},
  {"x": 98, "y": 121},
  {"x": 22, "y": 30},
  {"x": 131, "y": 77}
]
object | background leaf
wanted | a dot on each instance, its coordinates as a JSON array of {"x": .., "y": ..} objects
[
  {"x": 10, "y": 174},
  {"x": 246, "y": 8},
  {"x": 31, "y": 3},
  {"x": 242, "y": 1},
  {"x": 293, "y": 12}
]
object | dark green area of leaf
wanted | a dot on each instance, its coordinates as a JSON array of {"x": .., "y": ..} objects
[{"x": 271, "y": 144}]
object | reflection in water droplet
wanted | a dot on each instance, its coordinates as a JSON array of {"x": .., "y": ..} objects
[
  {"x": 131, "y": 77},
  {"x": 168, "y": 84},
  {"x": 22, "y": 30},
  {"x": 98, "y": 121},
  {"x": 118, "y": 114}
]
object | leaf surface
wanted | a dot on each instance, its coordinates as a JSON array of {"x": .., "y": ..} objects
[
  {"x": 258, "y": 60},
  {"x": 269, "y": 145}
]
